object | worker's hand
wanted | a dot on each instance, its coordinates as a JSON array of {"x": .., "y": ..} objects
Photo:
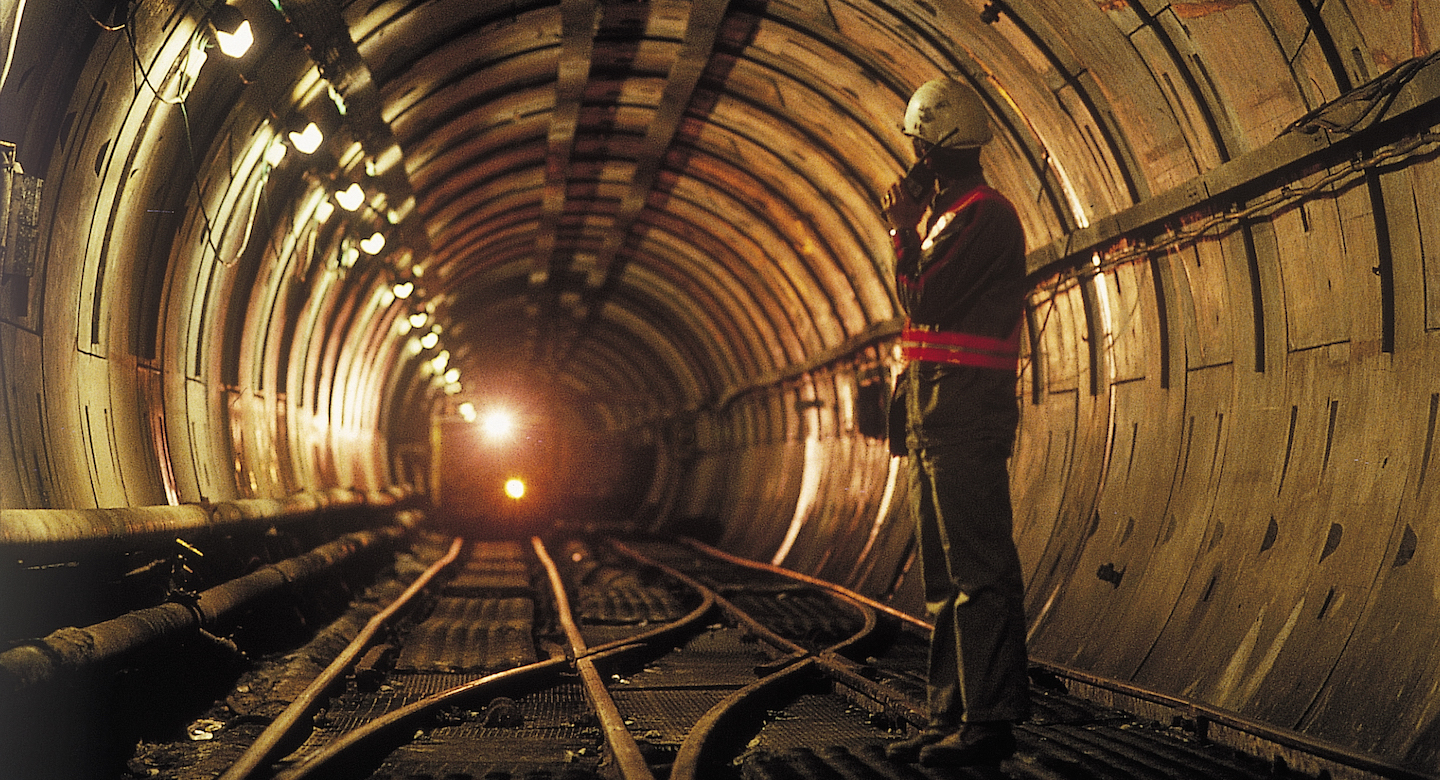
[{"x": 900, "y": 210}]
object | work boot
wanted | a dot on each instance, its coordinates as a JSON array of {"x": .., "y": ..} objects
[
  {"x": 907, "y": 751},
  {"x": 975, "y": 743}
]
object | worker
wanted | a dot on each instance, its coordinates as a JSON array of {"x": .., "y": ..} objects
[{"x": 961, "y": 282}]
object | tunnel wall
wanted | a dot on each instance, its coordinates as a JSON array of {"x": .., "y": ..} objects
[
  {"x": 187, "y": 329},
  {"x": 1225, "y": 443}
]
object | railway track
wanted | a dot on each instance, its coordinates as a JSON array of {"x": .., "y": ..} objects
[{"x": 514, "y": 660}]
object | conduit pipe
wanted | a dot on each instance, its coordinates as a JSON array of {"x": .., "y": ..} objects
[
  {"x": 72, "y": 649},
  {"x": 41, "y": 536}
]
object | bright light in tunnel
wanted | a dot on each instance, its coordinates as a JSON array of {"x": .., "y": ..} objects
[
  {"x": 429, "y": 340},
  {"x": 373, "y": 244},
  {"x": 441, "y": 360},
  {"x": 308, "y": 140},
  {"x": 351, "y": 197},
  {"x": 323, "y": 210},
  {"x": 467, "y": 411},
  {"x": 275, "y": 154},
  {"x": 237, "y": 43},
  {"x": 453, "y": 388},
  {"x": 418, "y": 319},
  {"x": 498, "y": 424},
  {"x": 232, "y": 29},
  {"x": 452, "y": 376},
  {"x": 515, "y": 488},
  {"x": 403, "y": 290}
]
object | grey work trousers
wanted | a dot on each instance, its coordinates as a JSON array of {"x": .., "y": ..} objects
[{"x": 974, "y": 589}]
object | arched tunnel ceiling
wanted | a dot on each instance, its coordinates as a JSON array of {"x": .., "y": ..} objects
[
  {"x": 652, "y": 206},
  {"x": 682, "y": 193}
]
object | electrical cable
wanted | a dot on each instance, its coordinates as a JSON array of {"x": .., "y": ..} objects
[{"x": 1376, "y": 98}]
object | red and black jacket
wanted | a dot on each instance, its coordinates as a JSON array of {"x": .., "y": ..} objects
[{"x": 962, "y": 284}]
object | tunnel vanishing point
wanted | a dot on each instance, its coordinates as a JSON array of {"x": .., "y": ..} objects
[{"x": 650, "y": 231}]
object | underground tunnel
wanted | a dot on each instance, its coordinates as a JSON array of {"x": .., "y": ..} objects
[{"x": 650, "y": 233}]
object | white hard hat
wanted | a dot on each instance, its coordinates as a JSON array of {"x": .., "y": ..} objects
[{"x": 947, "y": 113}]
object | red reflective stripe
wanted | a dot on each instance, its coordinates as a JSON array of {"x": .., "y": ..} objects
[
  {"x": 977, "y": 359},
  {"x": 963, "y": 349},
  {"x": 944, "y": 338}
]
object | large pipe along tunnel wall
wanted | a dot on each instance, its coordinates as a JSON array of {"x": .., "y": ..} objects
[{"x": 1228, "y": 391}]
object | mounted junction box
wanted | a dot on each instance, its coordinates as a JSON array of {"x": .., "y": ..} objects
[{"x": 19, "y": 215}]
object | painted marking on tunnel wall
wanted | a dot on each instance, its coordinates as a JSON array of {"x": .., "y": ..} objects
[
  {"x": 1289, "y": 449},
  {"x": 1429, "y": 443},
  {"x": 1330, "y": 434},
  {"x": 1408, "y": 543}
]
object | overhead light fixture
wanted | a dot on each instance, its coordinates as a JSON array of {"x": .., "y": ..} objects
[
  {"x": 403, "y": 290},
  {"x": 429, "y": 340},
  {"x": 373, "y": 244},
  {"x": 452, "y": 376},
  {"x": 232, "y": 30},
  {"x": 467, "y": 411},
  {"x": 351, "y": 197},
  {"x": 323, "y": 211},
  {"x": 308, "y": 140},
  {"x": 418, "y": 319}
]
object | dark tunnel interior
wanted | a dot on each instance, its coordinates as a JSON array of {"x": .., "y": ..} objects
[{"x": 649, "y": 233}]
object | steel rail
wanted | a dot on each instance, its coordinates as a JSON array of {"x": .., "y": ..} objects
[
  {"x": 695, "y": 751},
  {"x": 401, "y": 720},
  {"x": 713, "y": 552},
  {"x": 841, "y": 669},
  {"x": 626, "y": 752},
  {"x": 1197, "y": 710},
  {"x": 268, "y": 744}
]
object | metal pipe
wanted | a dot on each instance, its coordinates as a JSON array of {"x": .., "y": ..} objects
[
  {"x": 69, "y": 649},
  {"x": 40, "y": 536}
]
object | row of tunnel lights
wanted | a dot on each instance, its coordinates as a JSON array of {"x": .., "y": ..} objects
[{"x": 234, "y": 37}]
